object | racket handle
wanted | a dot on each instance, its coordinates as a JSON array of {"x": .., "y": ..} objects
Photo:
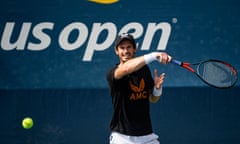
[{"x": 176, "y": 62}]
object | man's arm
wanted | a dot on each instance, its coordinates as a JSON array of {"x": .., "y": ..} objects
[
  {"x": 154, "y": 99},
  {"x": 129, "y": 67},
  {"x": 157, "y": 90},
  {"x": 138, "y": 62}
]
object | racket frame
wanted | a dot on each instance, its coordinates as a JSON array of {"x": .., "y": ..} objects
[{"x": 187, "y": 66}]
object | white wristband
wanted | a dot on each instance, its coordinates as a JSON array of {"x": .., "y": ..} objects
[
  {"x": 157, "y": 92},
  {"x": 149, "y": 57}
]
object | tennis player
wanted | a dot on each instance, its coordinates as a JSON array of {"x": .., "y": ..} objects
[{"x": 132, "y": 87}]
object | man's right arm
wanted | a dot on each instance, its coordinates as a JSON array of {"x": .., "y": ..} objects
[
  {"x": 129, "y": 67},
  {"x": 138, "y": 62}
]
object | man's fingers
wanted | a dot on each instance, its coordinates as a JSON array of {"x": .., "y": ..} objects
[
  {"x": 162, "y": 75},
  {"x": 169, "y": 59},
  {"x": 155, "y": 73},
  {"x": 164, "y": 58}
]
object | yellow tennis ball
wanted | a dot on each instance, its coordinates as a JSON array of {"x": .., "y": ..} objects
[{"x": 27, "y": 123}]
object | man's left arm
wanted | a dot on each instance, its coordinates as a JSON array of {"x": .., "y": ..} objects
[
  {"x": 156, "y": 93},
  {"x": 154, "y": 99}
]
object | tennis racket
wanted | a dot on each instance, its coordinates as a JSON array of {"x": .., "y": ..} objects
[{"x": 215, "y": 73}]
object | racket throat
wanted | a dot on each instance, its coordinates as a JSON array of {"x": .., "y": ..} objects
[{"x": 187, "y": 66}]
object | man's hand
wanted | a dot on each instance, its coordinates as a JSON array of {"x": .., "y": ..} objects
[
  {"x": 163, "y": 57},
  {"x": 158, "y": 80}
]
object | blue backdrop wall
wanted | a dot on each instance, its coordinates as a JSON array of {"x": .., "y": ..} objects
[{"x": 54, "y": 56}]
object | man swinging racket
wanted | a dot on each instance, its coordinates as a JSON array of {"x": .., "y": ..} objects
[{"x": 132, "y": 88}]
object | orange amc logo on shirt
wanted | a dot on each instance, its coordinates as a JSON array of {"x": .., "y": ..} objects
[{"x": 138, "y": 91}]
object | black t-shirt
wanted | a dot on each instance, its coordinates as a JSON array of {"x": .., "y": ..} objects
[{"x": 130, "y": 98}]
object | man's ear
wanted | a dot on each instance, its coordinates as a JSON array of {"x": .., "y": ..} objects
[{"x": 135, "y": 50}]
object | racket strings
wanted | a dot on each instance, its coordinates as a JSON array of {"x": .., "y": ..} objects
[{"x": 217, "y": 74}]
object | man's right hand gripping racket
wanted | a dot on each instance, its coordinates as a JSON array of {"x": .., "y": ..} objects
[{"x": 215, "y": 73}]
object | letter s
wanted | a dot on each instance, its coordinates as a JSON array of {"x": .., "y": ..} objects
[{"x": 43, "y": 37}]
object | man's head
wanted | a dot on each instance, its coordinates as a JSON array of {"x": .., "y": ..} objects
[
  {"x": 125, "y": 47},
  {"x": 125, "y": 36}
]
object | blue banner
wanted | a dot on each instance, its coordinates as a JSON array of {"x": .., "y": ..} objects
[{"x": 69, "y": 44}]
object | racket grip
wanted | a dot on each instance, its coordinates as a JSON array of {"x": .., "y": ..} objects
[{"x": 176, "y": 62}]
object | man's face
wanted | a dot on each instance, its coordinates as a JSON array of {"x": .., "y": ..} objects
[{"x": 125, "y": 51}]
